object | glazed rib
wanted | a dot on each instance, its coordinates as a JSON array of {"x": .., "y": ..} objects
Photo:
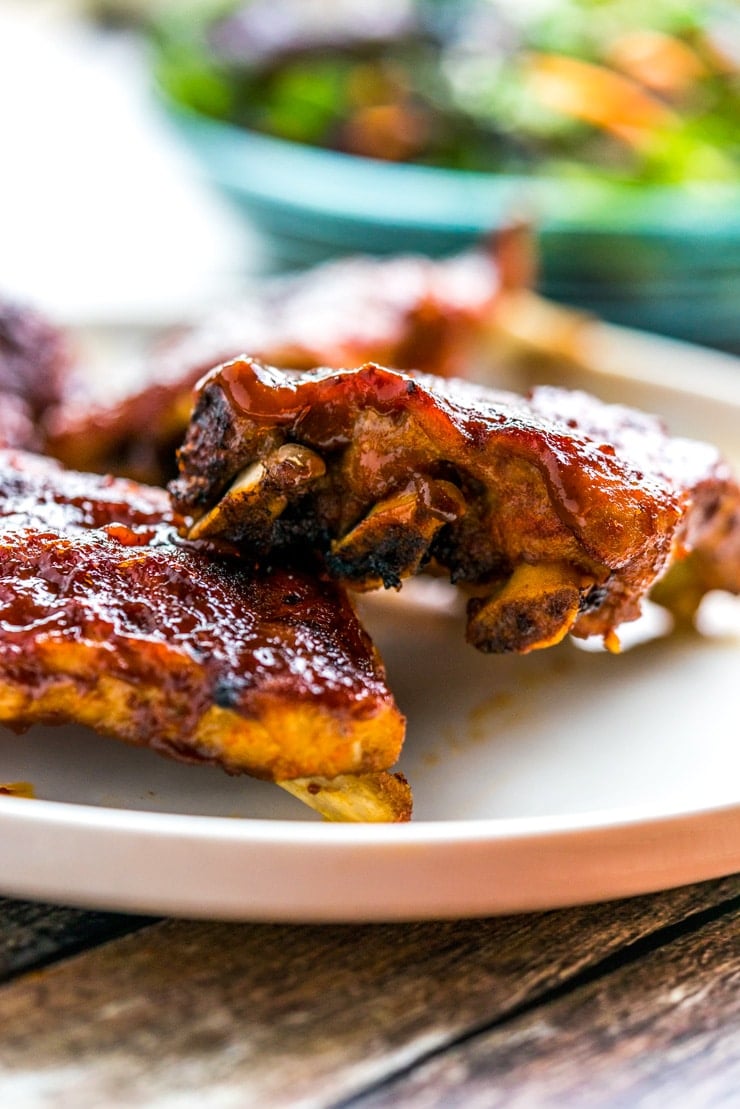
[
  {"x": 35, "y": 364},
  {"x": 109, "y": 620},
  {"x": 556, "y": 512},
  {"x": 405, "y": 311}
]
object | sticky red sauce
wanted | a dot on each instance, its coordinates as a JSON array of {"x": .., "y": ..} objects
[{"x": 92, "y": 578}]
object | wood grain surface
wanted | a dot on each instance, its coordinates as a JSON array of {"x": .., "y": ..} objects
[
  {"x": 32, "y": 934},
  {"x": 662, "y": 1032},
  {"x": 322, "y": 1016}
]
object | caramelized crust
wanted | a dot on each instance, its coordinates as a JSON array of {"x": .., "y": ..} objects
[
  {"x": 406, "y": 312},
  {"x": 109, "y": 620},
  {"x": 557, "y": 512}
]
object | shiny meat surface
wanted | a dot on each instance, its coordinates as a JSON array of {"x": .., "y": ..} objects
[
  {"x": 557, "y": 512},
  {"x": 108, "y": 619},
  {"x": 409, "y": 312}
]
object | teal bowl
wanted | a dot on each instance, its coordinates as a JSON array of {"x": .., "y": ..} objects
[{"x": 663, "y": 259}]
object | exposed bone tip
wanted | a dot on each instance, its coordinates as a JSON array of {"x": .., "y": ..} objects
[
  {"x": 261, "y": 491},
  {"x": 534, "y": 609},
  {"x": 296, "y": 464},
  {"x": 375, "y": 798},
  {"x": 393, "y": 540}
]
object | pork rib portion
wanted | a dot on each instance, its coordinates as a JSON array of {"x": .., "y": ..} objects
[
  {"x": 35, "y": 368},
  {"x": 557, "y": 512},
  {"x": 108, "y": 619},
  {"x": 405, "y": 311}
]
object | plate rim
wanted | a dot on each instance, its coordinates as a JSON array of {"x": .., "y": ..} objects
[
  {"x": 344, "y": 874},
  {"x": 325, "y": 833}
]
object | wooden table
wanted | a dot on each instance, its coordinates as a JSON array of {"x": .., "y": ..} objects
[{"x": 631, "y": 1003}]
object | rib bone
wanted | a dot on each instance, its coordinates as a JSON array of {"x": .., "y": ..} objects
[
  {"x": 380, "y": 798},
  {"x": 535, "y": 608},
  {"x": 263, "y": 489},
  {"x": 396, "y": 534}
]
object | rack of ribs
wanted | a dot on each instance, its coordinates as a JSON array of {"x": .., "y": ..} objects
[
  {"x": 109, "y": 619},
  {"x": 407, "y": 311},
  {"x": 557, "y": 513}
]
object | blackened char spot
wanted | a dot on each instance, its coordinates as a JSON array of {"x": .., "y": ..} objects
[
  {"x": 593, "y": 598},
  {"x": 396, "y": 554},
  {"x": 211, "y": 453},
  {"x": 525, "y": 624},
  {"x": 228, "y": 691}
]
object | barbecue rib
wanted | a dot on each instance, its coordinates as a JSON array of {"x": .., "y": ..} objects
[
  {"x": 35, "y": 362},
  {"x": 557, "y": 512},
  {"x": 408, "y": 312},
  {"x": 108, "y": 619}
]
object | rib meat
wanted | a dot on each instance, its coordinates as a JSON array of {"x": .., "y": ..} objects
[
  {"x": 110, "y": 620},
  {"x": 405, "y": 311},
  {"x": 557, "y": 512}
]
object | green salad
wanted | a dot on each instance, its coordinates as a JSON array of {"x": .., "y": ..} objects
[{"x": 644, "y": 92}]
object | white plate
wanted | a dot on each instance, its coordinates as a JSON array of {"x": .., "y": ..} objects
[{"x": 566, "y": 776}]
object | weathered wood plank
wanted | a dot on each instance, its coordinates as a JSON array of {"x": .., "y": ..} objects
[
  {"x": 291, "y": 1016},
  {"x": 664, "y": 1031},
  {"x": 34, "y": 935}
]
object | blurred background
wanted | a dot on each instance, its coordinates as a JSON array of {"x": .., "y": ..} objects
[{"x": 155, "y": 156}]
